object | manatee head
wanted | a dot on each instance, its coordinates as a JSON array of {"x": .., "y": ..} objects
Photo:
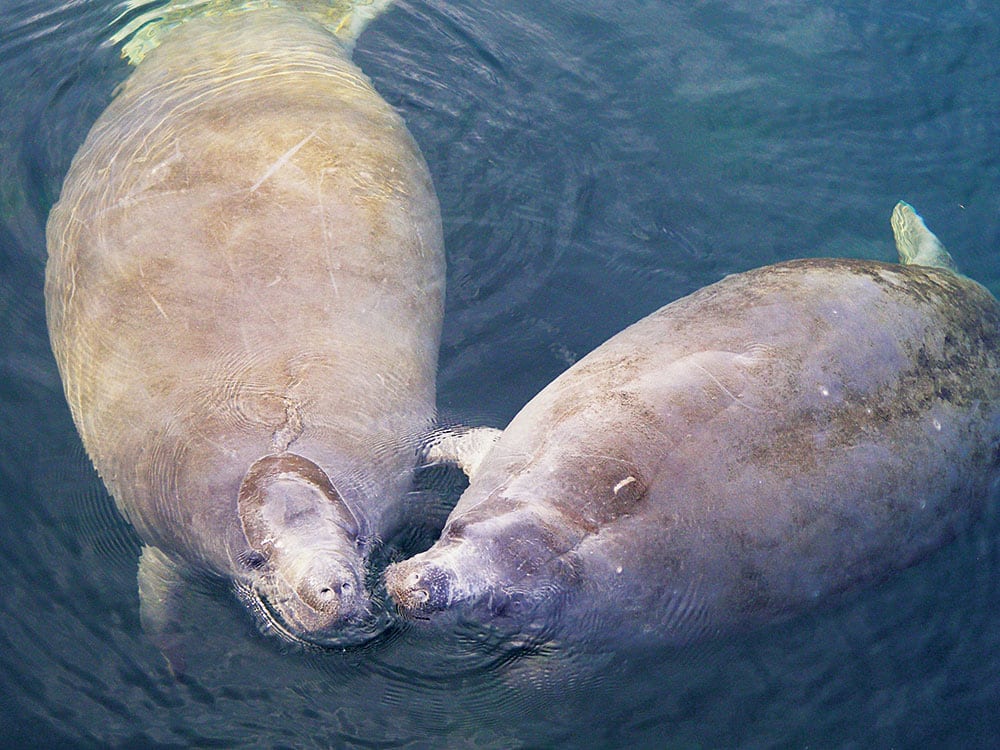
[
  {"x": 302, "y": 572},
  {"x": 502, "y": 563}
]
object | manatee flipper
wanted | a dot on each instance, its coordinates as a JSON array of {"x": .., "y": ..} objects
[
  {"x": 464, "y": 447},
  {"x": 916, "y": 244},
  {"x": 160, "y": 587},
  {"x": 357, "y": 16}
]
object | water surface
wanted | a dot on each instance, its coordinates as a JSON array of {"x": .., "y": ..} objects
[{"x": 593, "y": 161}]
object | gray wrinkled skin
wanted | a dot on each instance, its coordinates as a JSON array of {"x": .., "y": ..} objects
[
  {"x": 774, "y": 438},
  {"x": 246, "y": 262}
]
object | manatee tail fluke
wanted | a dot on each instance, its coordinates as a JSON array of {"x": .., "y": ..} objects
[
  {"x": 148, "y": 24},
  {"x": 916, "y": 244}
]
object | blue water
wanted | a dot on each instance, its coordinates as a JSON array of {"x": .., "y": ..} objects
[{"x": 593, "y": 161}]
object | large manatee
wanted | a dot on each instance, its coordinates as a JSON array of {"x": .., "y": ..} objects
[
  {"x": 244, "y": 297},
  {"x": 774, "y": 438}
]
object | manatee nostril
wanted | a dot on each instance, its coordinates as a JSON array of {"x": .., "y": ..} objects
[
  {"x": 333, "y": 593},
  {"x": 325, "y": 599}
]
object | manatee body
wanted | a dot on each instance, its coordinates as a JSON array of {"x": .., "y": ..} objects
[
  {"x": 774, "y": 438},
  {"x": 244, "y": 296}
]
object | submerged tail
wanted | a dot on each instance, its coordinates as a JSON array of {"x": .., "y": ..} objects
[
  {"x": 916, "y": 244},
  {"x": 345, "y": 19}
]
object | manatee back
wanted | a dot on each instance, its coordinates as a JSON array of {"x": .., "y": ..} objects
[
  {"x": 247, "y": 252},
  {"x": 779, "y": 436}
]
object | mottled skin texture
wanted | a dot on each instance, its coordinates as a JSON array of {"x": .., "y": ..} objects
[
  {"x": 774, "y": 438},
  {"x": 246, "y": 259}
]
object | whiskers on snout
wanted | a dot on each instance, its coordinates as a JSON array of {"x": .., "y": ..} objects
[
  {"x": 268, "y": 623},
  {"x": 365, "y": 624}
]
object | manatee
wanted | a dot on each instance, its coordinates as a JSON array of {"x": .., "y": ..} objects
[
  {"x": 769, "y": 441},
  {"x": 244, "y": 295}
]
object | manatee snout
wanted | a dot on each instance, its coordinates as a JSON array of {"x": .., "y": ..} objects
[
  {"x": 332, "y": 588},
  {"x": 310, "y": 598},
  {"x": 301, "y": 529},
  {"x": 419, "y": 587}
]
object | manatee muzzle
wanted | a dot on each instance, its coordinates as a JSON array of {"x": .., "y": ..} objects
[{"x": 419, "y": 588}]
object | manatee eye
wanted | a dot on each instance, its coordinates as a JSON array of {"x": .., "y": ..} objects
[
  {"x": 508, "y": 605},
  {"x": 253, "y": 559}
]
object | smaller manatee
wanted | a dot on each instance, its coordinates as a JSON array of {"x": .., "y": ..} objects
[{"x": 782, "y": 435}]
